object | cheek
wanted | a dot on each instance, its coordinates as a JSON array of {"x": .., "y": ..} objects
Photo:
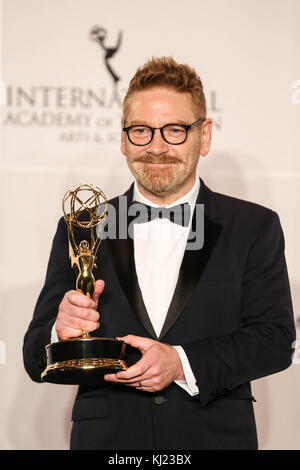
[
  {"x": 132, "y": 152},
  {"x": 194, "y": 153},
  {"x": 129, "y": 150},
  {"x": 131, "y": 156},
  {"x": 126, "y": 147}
]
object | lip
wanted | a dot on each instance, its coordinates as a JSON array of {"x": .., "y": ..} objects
[{"x": 159, "y": 164}]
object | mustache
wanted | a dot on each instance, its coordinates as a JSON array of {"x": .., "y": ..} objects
[{"x": 156, "y": 159}]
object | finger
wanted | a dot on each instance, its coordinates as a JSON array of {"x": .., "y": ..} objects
[
  {"x": 136, "y": 380},
  {"x": 147, "y": 375},
  {"x": 137, "y": 342},
  {"x": 98, "y": 289},
  {"x": 80, "y": 324},
  {"x": 138, "y": 369},
  {"x": 141, "y": 384},
  {"x": 111, "y": 378},
  {"x": 132, "y": 373},
  {"x": 79, "y": 299},
  {"x": 69, "y": 333},
  {"x": 145, "y": 385},
  {"x": 84, "y": 313}
]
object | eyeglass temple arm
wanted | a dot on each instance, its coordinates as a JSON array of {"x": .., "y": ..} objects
[
  {"x": 160, "y": 128},
  {"x": 197, "y": 122}
]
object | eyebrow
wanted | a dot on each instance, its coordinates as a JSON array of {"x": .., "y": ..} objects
[{"x": 145, "y": 123}]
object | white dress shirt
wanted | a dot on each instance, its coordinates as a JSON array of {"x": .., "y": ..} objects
[{"x": 159, "y": 246}]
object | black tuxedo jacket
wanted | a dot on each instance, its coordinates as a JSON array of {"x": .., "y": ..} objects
[{"x": 231, "y": 312}]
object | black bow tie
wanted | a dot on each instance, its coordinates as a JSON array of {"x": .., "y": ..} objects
[{"x": 179, "y": 214}]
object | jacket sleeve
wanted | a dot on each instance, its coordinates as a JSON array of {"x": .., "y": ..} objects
[
  {"x": 263, "y": 343},
  {"x": 59, "y": 279}
]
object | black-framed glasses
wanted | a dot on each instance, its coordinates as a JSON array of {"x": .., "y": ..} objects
[{"x": 174, "y": 134}]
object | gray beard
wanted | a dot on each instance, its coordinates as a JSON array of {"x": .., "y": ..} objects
[{"x": 160, "y": 181}]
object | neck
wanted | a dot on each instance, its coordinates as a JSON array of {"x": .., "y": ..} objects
[{"x": 165, "y": 199}]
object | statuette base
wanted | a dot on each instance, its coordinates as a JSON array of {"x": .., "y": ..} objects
[{"x": 83, "y": 361}]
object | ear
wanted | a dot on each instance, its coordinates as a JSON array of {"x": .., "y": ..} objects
[
  {"x": 123, "y": 136},
  {"x": 206, "y": 133}
]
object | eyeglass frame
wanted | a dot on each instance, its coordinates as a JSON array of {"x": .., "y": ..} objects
[{"x": 186, "y": 126}]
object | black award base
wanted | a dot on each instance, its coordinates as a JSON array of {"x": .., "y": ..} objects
[{"x": 83, "y": 361}]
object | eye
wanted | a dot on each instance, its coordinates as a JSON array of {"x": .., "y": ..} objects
[
  {"x": 140, "y": 131},
  {"x": 175, "y": 130}
]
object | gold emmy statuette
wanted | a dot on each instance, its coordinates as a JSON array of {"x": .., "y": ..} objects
[{"x": 83, "y": 360}]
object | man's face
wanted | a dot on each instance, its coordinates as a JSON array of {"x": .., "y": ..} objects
[{"x": 161, "y": 168}]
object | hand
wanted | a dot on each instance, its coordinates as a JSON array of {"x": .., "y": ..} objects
[
  {"x": 77, "y": 312},
  {"x": 159, "y": 366}
]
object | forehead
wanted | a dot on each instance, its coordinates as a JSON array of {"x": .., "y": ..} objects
[{"x": 162, "y": 104}]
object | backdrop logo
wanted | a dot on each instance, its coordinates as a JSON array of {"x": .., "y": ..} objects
[{"x": 98, "y": 34}]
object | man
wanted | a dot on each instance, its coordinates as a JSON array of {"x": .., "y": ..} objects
[{"x": 200, "y": 324}]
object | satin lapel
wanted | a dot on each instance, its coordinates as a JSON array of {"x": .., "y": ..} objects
[
  {"x": 122, "y": 252},
  {"x": 194, "y": 261}
]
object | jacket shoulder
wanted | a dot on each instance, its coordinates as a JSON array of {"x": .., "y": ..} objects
[{"x": 241, "y": 208}]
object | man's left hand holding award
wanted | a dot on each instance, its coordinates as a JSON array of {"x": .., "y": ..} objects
[{"x": 74, "y": 359}]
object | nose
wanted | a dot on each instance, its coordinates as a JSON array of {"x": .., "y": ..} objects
[{"x": 157, "y": 145}]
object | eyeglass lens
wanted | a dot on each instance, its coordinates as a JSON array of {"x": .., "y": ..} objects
[{"x": 142, "y": 135}]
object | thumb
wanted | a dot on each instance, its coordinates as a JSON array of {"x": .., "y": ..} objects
[
  {"x": 98, "y": 289},
  {"x": 137, "y": 342}
]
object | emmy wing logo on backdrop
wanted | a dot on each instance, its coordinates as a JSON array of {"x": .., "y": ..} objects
[{"x": 98, "y": 34}]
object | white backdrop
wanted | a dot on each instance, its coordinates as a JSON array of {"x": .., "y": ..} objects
[{"x": 60, "y": 126}]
